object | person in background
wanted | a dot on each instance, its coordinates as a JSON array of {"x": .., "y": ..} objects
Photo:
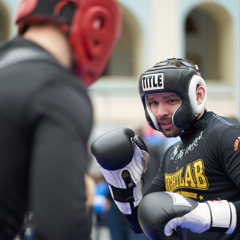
[
  {"x": 196, "y": 192},
  {"x": 46, "y": 116}
]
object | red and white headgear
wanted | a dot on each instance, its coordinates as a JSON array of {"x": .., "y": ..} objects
[{"x": 92, "y": 27}]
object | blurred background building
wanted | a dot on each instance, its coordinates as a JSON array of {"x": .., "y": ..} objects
[{"x": 204, "y": 31}]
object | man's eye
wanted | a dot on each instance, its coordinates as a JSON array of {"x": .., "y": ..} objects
[
  {"x": 172, "y": 100},
  {"x": 152, "y": 103}
]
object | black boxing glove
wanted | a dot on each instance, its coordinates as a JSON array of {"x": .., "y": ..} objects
[
  {"x": 160, "y": 213},
  {"x": 122, "y": 158}
]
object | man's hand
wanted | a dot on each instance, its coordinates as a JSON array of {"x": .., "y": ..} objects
[
  {"x": 160, "y": 213},
  {"x": 123, "y": 158}
]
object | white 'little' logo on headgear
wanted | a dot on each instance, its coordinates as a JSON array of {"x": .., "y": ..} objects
[{"x": 153, "y": 82}]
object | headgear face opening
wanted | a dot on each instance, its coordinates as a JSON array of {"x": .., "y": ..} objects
[
  {"x": 92, "y": 26},
  {"x": 182, "y": 80}
]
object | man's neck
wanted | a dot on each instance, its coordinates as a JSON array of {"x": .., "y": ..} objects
[{"x": 52, "y": 40}]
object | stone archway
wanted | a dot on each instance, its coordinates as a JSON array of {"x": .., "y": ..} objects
[
  {"x": 126, "y": 59},
  {"x": 209, "y": 41}
]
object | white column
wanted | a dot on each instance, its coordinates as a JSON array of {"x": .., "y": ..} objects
[{"x": 166, "y": 30}]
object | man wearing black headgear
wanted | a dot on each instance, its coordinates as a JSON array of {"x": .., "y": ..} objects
[
  {"x": 46, "y": 115},
  {"x": 196, "y": 192}
]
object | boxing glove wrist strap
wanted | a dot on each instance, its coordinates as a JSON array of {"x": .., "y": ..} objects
[
  {"x": 122, "y": 194},
  {"x": 219, "y": 209},
  {"x": 233, "y": 224}
]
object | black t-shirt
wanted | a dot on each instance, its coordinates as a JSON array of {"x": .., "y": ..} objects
[
  {"x": 204, "y": 165},
  {"x": 45, "y": 122}
]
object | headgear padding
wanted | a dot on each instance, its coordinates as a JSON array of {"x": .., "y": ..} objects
[
  {"x": 182, "y": 80},
  {"x": 92, "y": 27}
]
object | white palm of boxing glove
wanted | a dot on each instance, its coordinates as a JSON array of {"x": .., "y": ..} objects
[
  {"x": 219, "y": 214},
  {"x": 122, "y": 158},
  {"x": 135, "y": 169}
]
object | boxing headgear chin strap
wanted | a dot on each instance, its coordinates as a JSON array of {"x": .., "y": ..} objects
[
  {"x": 92, "y": 26},
  {"x": 183, "y": 81}
]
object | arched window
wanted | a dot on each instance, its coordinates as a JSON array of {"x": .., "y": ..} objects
[
  {"x": 201, "y": 44},
  {"x": 210, "y": 41},
  {"x": 126, "y": 59}
]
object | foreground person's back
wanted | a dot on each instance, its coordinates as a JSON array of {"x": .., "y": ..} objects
[{"x": 46, "y": 114}]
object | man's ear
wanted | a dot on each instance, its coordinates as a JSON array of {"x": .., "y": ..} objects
[
  {"x": 197, "y": 94},
  {"x": 200, "y": 94}
]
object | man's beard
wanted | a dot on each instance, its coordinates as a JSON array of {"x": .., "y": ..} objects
[{"x": 173, "y": 132}]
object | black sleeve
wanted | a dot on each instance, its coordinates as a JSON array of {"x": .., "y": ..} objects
[
  {"x": 228, "y": 145},
  {"x": 132, "y": 219},
  {"x": 61, "y": 121},
  {"x": 156, "y": 185}
]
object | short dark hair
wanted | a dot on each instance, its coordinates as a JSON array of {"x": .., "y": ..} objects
[{"x": 178, "y": 63}]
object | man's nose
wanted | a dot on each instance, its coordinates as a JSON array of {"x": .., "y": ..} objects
[{"x": 162, "y": 110}]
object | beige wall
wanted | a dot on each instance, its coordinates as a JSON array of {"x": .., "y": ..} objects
[
  {"x": 166, "y": 31},
  {"x": 116, "y": 99},
  {"x": 119, "y": 104}
]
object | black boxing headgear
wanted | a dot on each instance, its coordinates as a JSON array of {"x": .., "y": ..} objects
[
  {"x": 182, "y": 80},
  {"x": 92, "y": 27}
]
